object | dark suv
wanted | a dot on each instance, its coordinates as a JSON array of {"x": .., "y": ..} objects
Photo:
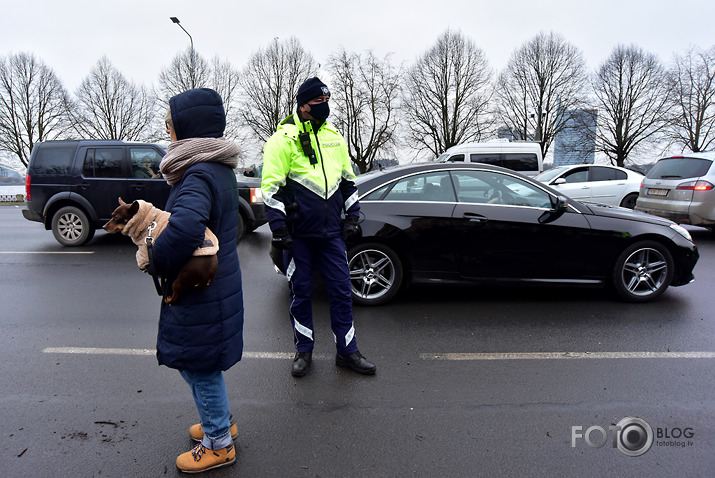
[{"x": 72, "y": 186}]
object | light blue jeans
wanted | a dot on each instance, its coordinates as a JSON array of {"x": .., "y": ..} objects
[{"x": 211, "y": 397}]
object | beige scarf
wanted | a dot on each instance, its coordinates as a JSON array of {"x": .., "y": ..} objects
[{"x": 186, "y": 152}]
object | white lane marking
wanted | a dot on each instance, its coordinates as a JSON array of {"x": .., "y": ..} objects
[
  {"x": 97, "y": 351},
  {"x": 432, "y": 356},
  {"x": 46, "y": 252},
  {"x": 117, "y": 351},
  {"x": 566, "y": 355}
]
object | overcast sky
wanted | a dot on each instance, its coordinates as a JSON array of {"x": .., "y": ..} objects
[{"x": 70, "y": 36}]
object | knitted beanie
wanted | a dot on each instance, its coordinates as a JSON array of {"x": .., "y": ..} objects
[{"x": 311, "y": 88}]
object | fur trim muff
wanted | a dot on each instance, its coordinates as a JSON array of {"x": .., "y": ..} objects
[{"x": 137, "y": 229}]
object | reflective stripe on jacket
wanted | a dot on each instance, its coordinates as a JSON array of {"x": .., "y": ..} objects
[{"x": 308, "y": 198}]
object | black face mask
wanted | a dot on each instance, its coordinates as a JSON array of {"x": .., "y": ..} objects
[{"x": 320, "y": 112}]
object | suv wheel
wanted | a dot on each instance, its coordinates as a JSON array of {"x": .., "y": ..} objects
[
  {"x": 71, "y": 227},
  {"x": 643, "y": 271},
  {"x": 240, "y": 228}
]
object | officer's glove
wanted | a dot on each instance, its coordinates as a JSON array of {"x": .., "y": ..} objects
[
  {"x": 350, "y": 227},
  {"x": 281, "y": 239}
]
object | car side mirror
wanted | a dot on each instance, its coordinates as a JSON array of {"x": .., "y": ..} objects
[
  {"x": 562, "y": 204},
  {"x": 559, "y": 181},
  {"x": 557, "y": 210}
]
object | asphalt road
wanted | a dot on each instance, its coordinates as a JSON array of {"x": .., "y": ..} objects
[{"x": 470, "y": 382}]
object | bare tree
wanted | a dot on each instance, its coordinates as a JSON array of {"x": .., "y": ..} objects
[
  {"x": 446, "y": 95},
  {"x": 107, "y": 106},
  {"x": 225, "y": 80},
  {"x": 365, "y": 91},
  {"x": 632, "y": 100},
  {"x": 544, "y": 81},
  {"x": 32, "y": 104},
  {"x": 190, "y": 70},
  {"x": 692, "y": 78},
  {"x": 270, "y": 82}
]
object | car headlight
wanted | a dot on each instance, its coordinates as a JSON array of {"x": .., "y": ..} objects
[{"x": 682, "y": 231}]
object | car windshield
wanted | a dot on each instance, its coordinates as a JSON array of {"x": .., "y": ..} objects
[
  {"x": 679, "y": 168},
  {"x": 550, "y": 174}
]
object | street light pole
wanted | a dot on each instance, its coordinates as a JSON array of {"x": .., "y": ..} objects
[{"x": 192, "y": 74}]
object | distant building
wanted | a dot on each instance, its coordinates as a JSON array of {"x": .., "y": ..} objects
[
  {"x": 575, "y": 144},
  {"x": 9, "y": 175},
  {"x": 505, "y": 133}
]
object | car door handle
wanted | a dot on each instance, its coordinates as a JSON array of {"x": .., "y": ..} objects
[
  {"x": 83, "y": 185},
  {"x": 139, "y": 186},
  {"x": 474, "y": 217}
]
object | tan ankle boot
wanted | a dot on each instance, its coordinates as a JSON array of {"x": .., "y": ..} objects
[{"x": 202, "y": 459}]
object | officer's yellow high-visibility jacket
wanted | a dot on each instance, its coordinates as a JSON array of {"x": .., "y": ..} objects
[{"x": 308, "y": 198}]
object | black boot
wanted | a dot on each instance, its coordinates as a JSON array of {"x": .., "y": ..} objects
[
  {"x": 356, "y": 362},
  {"x": 301, "y": 363}
]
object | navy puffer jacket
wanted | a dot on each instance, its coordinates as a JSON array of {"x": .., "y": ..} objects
[{"x": 203, "y": 330}]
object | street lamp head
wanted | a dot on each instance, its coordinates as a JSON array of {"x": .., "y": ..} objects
[{"x": 174, "y": 19}]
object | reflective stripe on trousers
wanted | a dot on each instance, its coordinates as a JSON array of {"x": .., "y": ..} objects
[{"x": 328, "y": 257}]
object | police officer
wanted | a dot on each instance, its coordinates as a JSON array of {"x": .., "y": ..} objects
[{"x": 308, "y": 184}]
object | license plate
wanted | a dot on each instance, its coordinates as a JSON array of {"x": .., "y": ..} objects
[{"x": 657, "y": 192}]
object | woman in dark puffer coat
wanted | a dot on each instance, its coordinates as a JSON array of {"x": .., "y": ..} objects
[{"x": 201, "y": 334}]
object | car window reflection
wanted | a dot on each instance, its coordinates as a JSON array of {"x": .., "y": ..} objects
[
  {"x": 433, "y": 187},
  {"x": 488, "y": 187}
]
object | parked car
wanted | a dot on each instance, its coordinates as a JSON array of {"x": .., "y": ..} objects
[
  {"x": 72, "y": 186},
  {"x": 469, "y": 222},
  {"x": 595, "y": 183},
  {"x": 682, "y": 189},
  {"x": 522, "y": 156}
]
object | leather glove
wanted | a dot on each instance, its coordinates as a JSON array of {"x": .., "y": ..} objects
[
  {"x": 281, "y": 239},
  {"x": 350, "y": 227}
]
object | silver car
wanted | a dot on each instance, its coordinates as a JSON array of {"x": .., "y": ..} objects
[
  {"x": 682, "y": 189},
  {"x": 597, "y": 183}
]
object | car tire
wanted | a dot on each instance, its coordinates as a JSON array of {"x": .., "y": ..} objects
[
  {"x": 630, "y": 200},
  {"x": 71, "y": 227},
  {"x": 240, "y": 228},
  {"x": 643, "y": 271},
  {"x": 375, "y": 273}
]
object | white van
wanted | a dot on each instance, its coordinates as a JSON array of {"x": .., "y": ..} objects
[{"x": 519, "y": 156}]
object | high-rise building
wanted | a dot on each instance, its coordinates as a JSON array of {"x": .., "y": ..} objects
[{"x": 576, "y": 143}]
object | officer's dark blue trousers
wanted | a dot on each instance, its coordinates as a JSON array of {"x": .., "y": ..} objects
[{"x": 328, "y": 257}]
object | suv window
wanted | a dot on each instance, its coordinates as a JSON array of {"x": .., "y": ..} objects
[
  {"x": 145, "y": 163},
  {"x": 104, "y": 163},
  {"x": 53, "y": 160},
  {"x": 486, "y": 158},
  {"x": 521, "y": 161},
  {"x": 679, "y": 168},
  {"x": 513, "y": 161}
]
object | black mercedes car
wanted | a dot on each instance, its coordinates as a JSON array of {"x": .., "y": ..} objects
[{"x": 459, "y": 223}]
